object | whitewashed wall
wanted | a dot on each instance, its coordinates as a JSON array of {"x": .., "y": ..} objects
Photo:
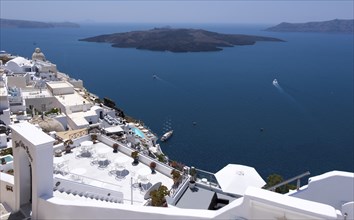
[
  {"x": 333, "y": 188},
  {"x": 256, "y": 204},
  {"x": 7, "y": 196}
]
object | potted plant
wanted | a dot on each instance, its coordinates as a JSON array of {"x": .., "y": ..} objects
[
  {"x": 11, "y": 172},
  {"x": 176, "y": 175},
  {"x": 135, "y": 156},
  {"x": 115, "y": 148},
  {"x": 193, "y": 177},
  {"x": 152, "y": 167},
  {"x": 161, "y": 158},
  {"x": 158, "y": 196},
  {"x": 94, "y": 138},
  {"x": 67, "y": 146}
]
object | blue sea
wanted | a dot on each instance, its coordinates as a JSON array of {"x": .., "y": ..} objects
[{"x": 307, "y": 120}]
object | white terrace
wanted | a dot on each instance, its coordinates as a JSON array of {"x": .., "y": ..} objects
[
  {"x": 87, "y": 191},
  {"x": 93, "y": 170}
]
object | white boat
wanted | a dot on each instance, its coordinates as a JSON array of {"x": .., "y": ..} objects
[
  {"x": 167, "y": 135},
  {"x": 275, "y": 81}
]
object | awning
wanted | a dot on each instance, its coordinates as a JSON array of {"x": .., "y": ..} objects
[{"x": 114, "y": 129}]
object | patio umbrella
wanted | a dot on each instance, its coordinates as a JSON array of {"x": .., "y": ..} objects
[
  {"x": 235, "y": 178},
  {"x": 156, "y": 186}
]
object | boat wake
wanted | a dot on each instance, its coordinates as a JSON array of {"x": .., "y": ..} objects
[
  {"x": 167, "y": 83},
  {"x": 276, "y": 84},
  {"x": 167, "y": 126},
  {"x": 287, "y": 95},
  {"x": 281, "y": 90},
  {"x": 156, "y": 77}
]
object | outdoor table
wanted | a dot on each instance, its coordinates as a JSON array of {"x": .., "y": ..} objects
[
  {"x": 58, "y": 163},
  {"x": 143, "y": 177},
  {"x": 144, "y": 172},
  {"x": 121, "y": 161},
  {"x": 58, "y": 160},
  {"x": 86, "y": 145},
  {"x": 103, "y": 151},
  {"x": 102, "y": 159},
  {"x": 77, "y": 172}
]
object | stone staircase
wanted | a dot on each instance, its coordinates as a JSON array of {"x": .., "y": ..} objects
[
  {"x": 79, "y": 195},
  {"x": 78, "y": 190}
]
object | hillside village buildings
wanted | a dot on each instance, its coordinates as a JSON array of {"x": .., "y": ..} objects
[{"x": 76, "y": 157}]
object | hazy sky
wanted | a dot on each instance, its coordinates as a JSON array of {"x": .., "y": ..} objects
[{"x": 238, "y": 11}]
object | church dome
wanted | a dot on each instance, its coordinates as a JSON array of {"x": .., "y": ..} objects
[{"x": 38, "y": 55}]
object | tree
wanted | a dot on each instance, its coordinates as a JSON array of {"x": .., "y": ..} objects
[
  {"x": 158, "y": 196},
  {"x": 115, "y": 148},
  {"x": 94, "y": 138},
  {"x": 176, "y": 176},
  {"x": 67, "y": 146},
  {"x": 275, "y": 179}
]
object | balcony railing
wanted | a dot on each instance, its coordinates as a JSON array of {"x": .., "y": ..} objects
[
  {"x": 207, "y": 178},
  {"x": 297, "y": 178}
]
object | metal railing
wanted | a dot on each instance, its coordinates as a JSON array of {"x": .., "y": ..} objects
[
  {"x": 175, "y": 191},
  {"x": 87, "y": 180},
  {"x": 210, "y": 177},
  {"x": 82, "y": 186},
  {"x": 297, "y": 178}
]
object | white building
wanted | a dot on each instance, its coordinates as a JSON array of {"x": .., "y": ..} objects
[
  {"x": 77, "y": 196},
  {"x": 92, "y": 182},
  {"x": 60, "y": 88},
  {"x": 20, "y": 65},
  {"x": 4, "y": 100},
  {"x": 16, "y": 101}
]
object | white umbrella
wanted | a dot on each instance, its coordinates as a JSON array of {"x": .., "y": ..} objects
[
  {"x": 235, "y": 178},
  {"x": 156, "y": 186}
]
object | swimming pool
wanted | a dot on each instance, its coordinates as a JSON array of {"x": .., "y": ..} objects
[
  {"x": 138, "y": 132},
  {"x": 8, "y": 158}
]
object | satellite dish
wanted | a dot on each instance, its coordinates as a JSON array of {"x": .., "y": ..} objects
[{"x": 156, "y": 186}]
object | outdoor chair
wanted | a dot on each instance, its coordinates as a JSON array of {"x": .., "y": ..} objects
[{"x": 63, "y": 167}]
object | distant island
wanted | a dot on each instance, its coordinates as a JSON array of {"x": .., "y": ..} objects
[
  {"x": 334, "y": 26},
  {"x": 177, "y": 40},
  {"x": 10, "y": 23}
]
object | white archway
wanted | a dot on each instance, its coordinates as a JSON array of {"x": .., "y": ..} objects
[{"x": 33, "y": 165}]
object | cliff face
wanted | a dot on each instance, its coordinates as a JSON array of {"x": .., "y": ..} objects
[
  {"x": 177, "y": 40},
  {"x": 9, "y": 23},
  {"x": 334, "y": 26}
]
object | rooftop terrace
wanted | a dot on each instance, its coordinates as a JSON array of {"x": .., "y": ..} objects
[
  {"x": 93, "y": 172},
  {"x": 97, "y": 169}
]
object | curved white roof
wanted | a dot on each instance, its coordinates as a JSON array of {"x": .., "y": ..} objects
[
  {"x": 95, "y": 107},
  {"x": 20, "y": 61}
]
